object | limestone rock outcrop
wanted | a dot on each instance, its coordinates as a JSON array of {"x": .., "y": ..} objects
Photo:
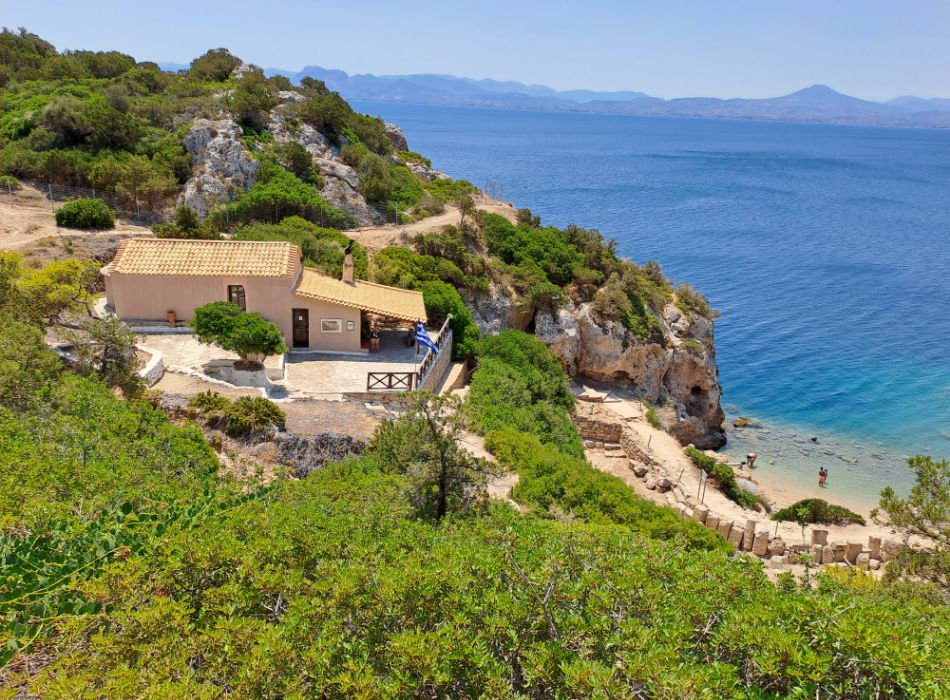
[
  {"x": 680, "y": 376},
  {"x": 221, "y": 168},
  {"x": 340, "y": 181},
  {"x": 396, "y": 136}
]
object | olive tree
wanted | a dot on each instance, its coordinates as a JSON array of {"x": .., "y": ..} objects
[{"x": 250, "y": 335}]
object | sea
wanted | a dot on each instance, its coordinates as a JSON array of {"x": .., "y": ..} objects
[{"x": 825, "y": 249}]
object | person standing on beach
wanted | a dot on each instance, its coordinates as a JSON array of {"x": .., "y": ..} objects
[{"x": 822, "y": 476}]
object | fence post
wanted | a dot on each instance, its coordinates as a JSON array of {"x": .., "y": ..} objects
[
  {"x": 49, "y": 187},
  {"x": 93, "y": 192}
]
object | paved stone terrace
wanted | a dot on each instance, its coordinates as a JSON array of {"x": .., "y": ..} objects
[{"x": 308, "y": 374}]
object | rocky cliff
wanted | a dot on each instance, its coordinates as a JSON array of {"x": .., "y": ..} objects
[
  {"x": 223, "y": 167},
  {"x": 679, "y": 377}
]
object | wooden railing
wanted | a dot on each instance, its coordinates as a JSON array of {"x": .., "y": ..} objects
[
  {"x": 431, "y": 356},
  {"x": 406, "y": 381},
  {"x": 390, "y": 381}
]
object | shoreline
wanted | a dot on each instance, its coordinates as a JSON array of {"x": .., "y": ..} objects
[
  {"x": 789, "y": 458},
  {"x": 664, "y": 449}
]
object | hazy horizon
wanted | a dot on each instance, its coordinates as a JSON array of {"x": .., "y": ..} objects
[{"x": 872, "y": 49}]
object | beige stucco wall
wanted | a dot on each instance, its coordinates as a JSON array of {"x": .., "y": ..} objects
[{"x": 150, "y": 297}]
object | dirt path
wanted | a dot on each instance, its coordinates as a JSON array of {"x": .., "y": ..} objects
[
  {"x": 375, "y": 238},
  {"x": 27, "y": 224}
]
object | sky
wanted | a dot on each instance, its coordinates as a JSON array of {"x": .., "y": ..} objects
[{"x": 874, "y": 49}]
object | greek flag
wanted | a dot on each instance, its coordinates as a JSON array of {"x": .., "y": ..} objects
[{"x": 423, "y": 339}]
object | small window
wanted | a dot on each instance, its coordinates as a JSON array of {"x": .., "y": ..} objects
[
  {"x": 236, "y": 296},
  {"x": 351, "y": 325},
  {"x": 331, "y": 325}
]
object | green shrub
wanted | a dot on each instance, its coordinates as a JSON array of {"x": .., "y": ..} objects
[
  {"x": 250, "y": 335},
  {"x": 209, "y": 404},
  {"x": 252, "y": 414},
  {"x": 8, "y": 182},
  {"x": 688, "y": 299},
  {"x": 553, "y": 483},
  {"x": 215, "y": 65},
  {"x": 819, "y": 511},
  {"x": 725, "y": 479},
  {"x": 276, "y": 195},
  {"x": 186, "y": 224},
  {"x": 520, "y": 384},
  {"x": 400, "y": 267},
  {"x": 546, "y": 249},
  {"x": 651, "y": 417},
  {"x": 85, "y": 213},
  {"x": 443, "y": 299}
]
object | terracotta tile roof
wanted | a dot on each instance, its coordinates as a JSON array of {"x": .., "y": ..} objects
[
  {"x": 168, "y": 256},
  {"x": 391, "y": 302}
]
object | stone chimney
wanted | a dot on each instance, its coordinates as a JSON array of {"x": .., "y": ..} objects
[{"x": 348, "y": 263}]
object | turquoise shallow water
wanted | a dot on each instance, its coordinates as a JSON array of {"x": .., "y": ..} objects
[{"x": 825, "y": 248}]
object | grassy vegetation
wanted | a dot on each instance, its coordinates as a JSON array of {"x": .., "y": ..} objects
[
  {"x": 725, "y": 479},
  {"x": 651, "y": 417}
]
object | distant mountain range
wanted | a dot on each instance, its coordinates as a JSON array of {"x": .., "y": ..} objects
[{"x": 818, "y": 103}]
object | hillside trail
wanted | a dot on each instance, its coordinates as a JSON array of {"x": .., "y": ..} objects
[
  {"x": 375, "y": 238},
  {"x": 27, "y": 221}
]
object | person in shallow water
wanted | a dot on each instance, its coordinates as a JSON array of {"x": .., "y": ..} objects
[
  {"x": 750, "y": 459},
  {"x": 822, "y": 476}
]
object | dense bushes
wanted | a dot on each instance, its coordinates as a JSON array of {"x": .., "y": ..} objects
[
  {"x": 555, "y": 484},
  {"x": 322, "y": 248},
  {"x": 725, "y": 478},
  {"x": 243, "y": 417},
  {"x": 817, "y": 510},
  {"x": 442, "y": 300},
  {"x": 278, "y": 194},
  {"x": 85, "y": 213},
  {"x": 520, "y": 384}
]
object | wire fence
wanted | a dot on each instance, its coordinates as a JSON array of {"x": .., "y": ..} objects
[{"x": 52, "y": 193}]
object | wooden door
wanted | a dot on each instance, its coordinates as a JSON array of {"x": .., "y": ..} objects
[{"x": 301, "y": 328}]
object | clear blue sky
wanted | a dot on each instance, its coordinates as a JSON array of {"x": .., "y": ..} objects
[{"x": 874, "y": 49}]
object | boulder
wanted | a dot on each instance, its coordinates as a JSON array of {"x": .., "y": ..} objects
[
  {"x": 760, "y": 544},
  {"x": 640, "y": 470},
  {"x": 874, "y": 547},
  {"x": 663, "y": 484},
  {"x": 712, "y": 521},
  {"x": 725, "y": 528},
  {"x": 874, "y": 564},
  {"x": 396, "y": 136},
  {"x": 650, "y": 483},
  {"x": 819, "y": 537},
  {"x": 777, "y": 546},
  {"x": 560, "y": 332},
  {"x": 700, "y": 513},
  {"x": 852, "y": 551},
  {"x": 862, "y": 560}
]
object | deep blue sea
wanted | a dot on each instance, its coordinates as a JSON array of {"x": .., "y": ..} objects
[{"x": 825, "y": 248}]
